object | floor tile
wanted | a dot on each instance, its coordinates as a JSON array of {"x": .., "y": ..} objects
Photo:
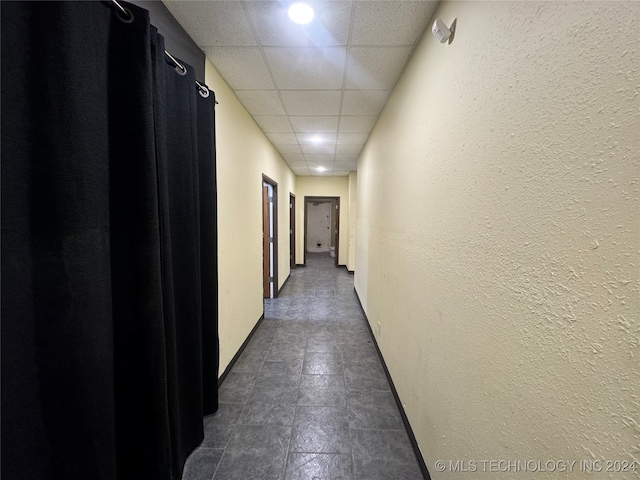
[
  {"x": 270, "y": 406},
  {"x": 286, "y": 352},
  {"x": 360, "y": 353},
  {"x": 319, "y": 344},
  {"x": 384, "y": 454},
  {"x": 321, "y": 430},
  {"x": 219, "y": 426},
  {"x": 279, "y": 374},
  {"x": 202, "y": 464},
  {"x": 314, "y": 466},
  {"x": 365, "y": 376},
  {"x": 250, "y": 361},
  {"x": 373, "y": 410},
  {"x": 322, "y": 390},
  {"x": 255, "y": 453},
  {"x": 236, "y": 387},
  {"x": 308, "y": 398},
  {"x": 322, "y": 363}
]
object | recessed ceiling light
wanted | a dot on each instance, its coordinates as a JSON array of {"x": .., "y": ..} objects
[
  {"x": 301, "y": 13},
  {"x": 316, "y": 139},
  {"x": 321, "y": 169}
]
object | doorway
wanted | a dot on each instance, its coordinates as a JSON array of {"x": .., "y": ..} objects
[
  {"x": 269, "y": 238},
  {"x": 322, "y": 226},
  {"x": 292, "y": 231}
]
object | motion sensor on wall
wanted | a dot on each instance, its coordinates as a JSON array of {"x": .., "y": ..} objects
[{"x": 440, "y": 30}]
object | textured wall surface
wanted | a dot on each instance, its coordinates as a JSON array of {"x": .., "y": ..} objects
[
  {"x": 312, "y": 186},
  {"x": 244, "y": 153},
  {"x": 498, "y": 236}
]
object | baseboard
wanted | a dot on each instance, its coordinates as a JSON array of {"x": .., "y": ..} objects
[
  {"x": 239, "y": 352},
  {"x": 405, "y": 420},
  {"x": 351, "y": 272},
  {"x": 284, "y": 283}
]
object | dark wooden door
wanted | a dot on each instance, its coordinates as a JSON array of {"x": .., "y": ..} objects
[{"x": 266, "y": 256}]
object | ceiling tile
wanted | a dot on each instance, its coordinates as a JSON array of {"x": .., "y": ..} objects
[
  {"x": 363, "y": 102},
  {"x": 313, "y": 102},
  {"x": 210, "y": 24},
  {"x": 339, "y": 163},
  {"x": 293, "y": 158},
  {"x": 345, "y": 168},
  {"x": 273, "y": 123},
  {"x": 302, "y": 164},
  {"x": 330, "y": 78},
  {"x": 243, "y": 68},
  {"x": 284, "y": 149},
  {"x": 319, "y": 159},
  {"x": 357, "y": 124},
  {"x": 301, "y": 171},
  {"x": 348, "y": 150},
  {"x": 283, "y": 138},
  {"x": 376, "y": 68},
  {"x": 261, "y": 102},
  {"x": 390, "y": 23},
  {"x": 352, "y": 138},
  {"x": 325, "y": 173},
  {"x": 316, "y": 124},
  {"x": 309, "y": 68},
  {"x": 316, "y": 149},
  {"x": 342, "y": 160},
  {"x": 316, "y": 138},
  {"x": 340, "y": 173},
  {"x": 274, "y": 28}
]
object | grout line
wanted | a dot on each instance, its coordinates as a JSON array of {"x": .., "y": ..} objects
[{"x": 412, "y": 439}]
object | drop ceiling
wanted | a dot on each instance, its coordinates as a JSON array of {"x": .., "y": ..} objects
[{"x": 316, "y": 90}]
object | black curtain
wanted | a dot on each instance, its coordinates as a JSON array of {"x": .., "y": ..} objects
[{"x": 109, "y": 253}]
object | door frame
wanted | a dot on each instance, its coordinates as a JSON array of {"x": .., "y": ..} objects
[
  {"x": 292, "y": 231},
  {"x": 316, "y": 198},
  {"x": 274, "y": 220}
]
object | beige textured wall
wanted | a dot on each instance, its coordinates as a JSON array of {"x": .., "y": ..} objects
[
  {"x": 499, "y": 231},
  {"x": 323, "y": 187},
  {"x": 243, "y": 155}
]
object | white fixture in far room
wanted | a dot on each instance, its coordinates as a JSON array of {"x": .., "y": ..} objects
[
  {"x": 440, "y": 30},
  {"x": 301, "y": 13}
]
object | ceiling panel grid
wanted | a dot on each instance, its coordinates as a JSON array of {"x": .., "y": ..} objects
[{"x": 316, "y": 90}]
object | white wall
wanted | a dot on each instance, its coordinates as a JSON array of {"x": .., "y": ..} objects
[
  {"x": 312, "y": 186},
  {"x": 244, "y": 154},
  {"x": 318, "y": 227},
  {"x": 498, "y": 235}
]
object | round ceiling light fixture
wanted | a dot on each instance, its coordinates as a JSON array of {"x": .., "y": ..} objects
[{"x": 301, "y": 13}]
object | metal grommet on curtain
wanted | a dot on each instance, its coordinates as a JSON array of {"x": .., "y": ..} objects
[
  {"x": 181, "y": 69},
  {"x": 203, "y": 90},
  {"x": 124, "y": 14}
]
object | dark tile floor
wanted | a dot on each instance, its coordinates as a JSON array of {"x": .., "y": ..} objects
[{"x": 308, "y": 398}]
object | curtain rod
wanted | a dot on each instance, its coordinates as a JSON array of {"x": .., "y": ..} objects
[{"x": 126, "y": 16}]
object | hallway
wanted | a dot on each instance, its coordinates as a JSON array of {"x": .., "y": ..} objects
[{"x": 308, "y": 398}]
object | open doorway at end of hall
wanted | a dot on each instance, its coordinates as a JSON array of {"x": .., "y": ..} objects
[
  {"x": 269, "y": 238},
  {"x": 322, "y": 226}
]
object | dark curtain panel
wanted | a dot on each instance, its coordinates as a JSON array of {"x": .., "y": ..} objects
[
  {"x": 109, "y": 253},
  {"x": 208, "y": 251}
]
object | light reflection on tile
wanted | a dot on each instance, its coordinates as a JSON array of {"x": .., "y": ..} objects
[{"x": 308, "y": 398}]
